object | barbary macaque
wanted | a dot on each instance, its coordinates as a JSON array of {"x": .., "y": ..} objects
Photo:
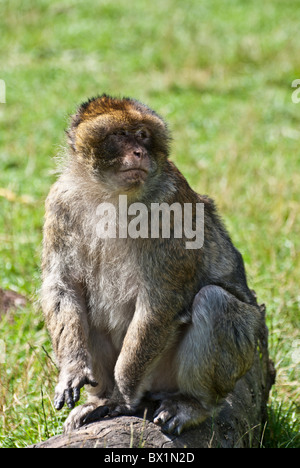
[{"x": 130, "y": 317}]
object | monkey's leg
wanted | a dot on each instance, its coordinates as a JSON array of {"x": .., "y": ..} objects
[
  {"x": 145, "y": 339},
  {"x": 217, "y": 348}
]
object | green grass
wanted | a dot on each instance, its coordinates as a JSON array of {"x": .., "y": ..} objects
[{"x": 220, "y": 72}]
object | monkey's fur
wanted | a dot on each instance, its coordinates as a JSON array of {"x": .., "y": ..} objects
[{"x": 135, "y": 317}]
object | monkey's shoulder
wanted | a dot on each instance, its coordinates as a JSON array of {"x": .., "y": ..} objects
[
  {"x": 184, "y": 191},
  {"x": 65, "y": 213}
]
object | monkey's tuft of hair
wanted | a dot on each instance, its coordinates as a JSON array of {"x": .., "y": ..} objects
[
  {"x": 106, "y": 104},
  {"x": 102, "y": 113}
]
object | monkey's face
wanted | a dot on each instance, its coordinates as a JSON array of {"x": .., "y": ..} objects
[
  {"x": 122, "y": 142},
  {"x": 125, "y": 156}
]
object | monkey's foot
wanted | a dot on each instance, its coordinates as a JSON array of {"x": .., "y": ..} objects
[
  {"x": 77, "y": 415},
  {"x": 80, "y": 414},
  {"x": 110, "y": 408},
  {"x": 179, "y": 413}
]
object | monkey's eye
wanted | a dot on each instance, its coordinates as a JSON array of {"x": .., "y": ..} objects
[
  {"x": 142, "y": 134},
  {"x": 120, "y": 132}
]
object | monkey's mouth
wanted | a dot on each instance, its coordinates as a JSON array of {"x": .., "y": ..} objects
[
  {"x": 134, "y": 169},
  {"x": 134, "y": 173}
]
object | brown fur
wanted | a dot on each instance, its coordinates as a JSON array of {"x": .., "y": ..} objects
[{"x": 130, "y": 316}]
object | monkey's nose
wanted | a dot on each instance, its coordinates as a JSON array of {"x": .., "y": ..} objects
[{"x": 137, "y": 153}]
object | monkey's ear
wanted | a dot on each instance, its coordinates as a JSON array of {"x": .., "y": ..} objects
[
  {"x": 71, "y": 132},
  {"x": 71, "y": 139}
]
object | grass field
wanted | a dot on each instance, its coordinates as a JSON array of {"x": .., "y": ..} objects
[{"x": 220, "y": 72}]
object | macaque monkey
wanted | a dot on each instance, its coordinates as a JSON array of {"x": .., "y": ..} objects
[{"x": 130, "y": 317}]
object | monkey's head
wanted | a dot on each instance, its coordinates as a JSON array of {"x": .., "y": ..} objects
[{"x": 122, "y": 142}]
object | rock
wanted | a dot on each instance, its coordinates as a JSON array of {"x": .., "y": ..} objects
[{"x": 10, "y": 300}]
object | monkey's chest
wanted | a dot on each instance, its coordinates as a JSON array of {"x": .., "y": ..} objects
[{"x": 112, "y": 292}]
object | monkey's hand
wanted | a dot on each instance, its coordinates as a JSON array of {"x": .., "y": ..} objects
[{"x": 69, "y": 385}]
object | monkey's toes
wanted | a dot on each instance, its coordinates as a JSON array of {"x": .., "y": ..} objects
[
  {"x": 174, "y": 416},
  {"x": 77, "y": 416},
  {"x": 166, "y": 411},
  {"x": 97, "y": 414},
  {"x": 170, "y": 422}
]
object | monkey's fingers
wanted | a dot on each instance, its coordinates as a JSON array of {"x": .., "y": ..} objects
[
  {"x": 76, "y": 394},
  {"x": 97, "y": 414},
  {"x": 76, "y": 390},
  {"x": 59, "y": 401},
  {"x": 70, "y": 396}
]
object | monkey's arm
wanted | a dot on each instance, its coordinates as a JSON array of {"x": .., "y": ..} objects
[
  {"x": 64, "y": 311},
  {"x": 147, "y": 336},
  {"x": 65, "y": 314}
]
